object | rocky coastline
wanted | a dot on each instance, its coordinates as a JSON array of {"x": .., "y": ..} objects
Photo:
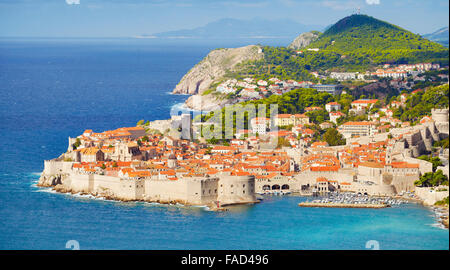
[
  {"x": 56, "y": 183},
  {"x": 442, "y": 214},
  {"x": 214, "y": 66},
  {"x": 206, "y": 102},
  {"x": 210, "y": 70}
]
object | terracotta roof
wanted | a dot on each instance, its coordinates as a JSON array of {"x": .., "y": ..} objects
[
  {"x": 365, "y": 101},
  {"x": 362, "y": 123}
]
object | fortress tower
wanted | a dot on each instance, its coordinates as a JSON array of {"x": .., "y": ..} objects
[
  {"x": 236, "y": 189},
  {"x": 440, "y": 117}
]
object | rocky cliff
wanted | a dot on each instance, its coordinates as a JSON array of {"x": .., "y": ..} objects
[
  {"x": 303, "y": 40},
  {"x": 206, "y": 102},
  {"x": 214, "y": 66}
]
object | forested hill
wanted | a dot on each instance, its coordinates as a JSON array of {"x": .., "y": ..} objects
[
  {"x": 363, "y": 40},
  {"x": 365, "y": 33}
]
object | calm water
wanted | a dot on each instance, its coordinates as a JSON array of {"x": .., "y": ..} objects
[{"x": 54, "y": 89}]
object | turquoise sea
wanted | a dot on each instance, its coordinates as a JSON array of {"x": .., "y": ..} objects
[{"x": 53, "y": 89}]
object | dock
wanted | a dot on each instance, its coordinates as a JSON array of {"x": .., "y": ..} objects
[{"x": 343, "y": 205}]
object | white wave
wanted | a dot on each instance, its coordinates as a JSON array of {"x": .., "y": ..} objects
[
  {"x": 438, "y": 225},
  {"x": 89, "y": 196},
  {"x": 182, "y": 107},
  {"x": 200, "y": 206},
  {"x": 171, "y": 93},
  {"x": 47, "y": 190}
]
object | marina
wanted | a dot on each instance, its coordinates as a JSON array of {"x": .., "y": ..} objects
[
  {"x": 352, "y": 200},
  {"x": 342, "y": 205}
]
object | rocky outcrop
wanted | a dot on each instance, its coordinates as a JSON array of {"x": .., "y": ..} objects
[
  {"x": 159, "y": 125},
  {"x": 206, "y": 102},
  {"x": 51, "y": 180},
  {"x": 214, "y": 66},
  {"x": 303, "y": 40}
]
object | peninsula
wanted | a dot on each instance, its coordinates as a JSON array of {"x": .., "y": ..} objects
[{"x": 381, "y": 132}]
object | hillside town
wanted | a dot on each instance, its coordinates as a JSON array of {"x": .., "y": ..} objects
[
  {"x": 158, "y": 162},
  {"x": 400, "y": 77}
]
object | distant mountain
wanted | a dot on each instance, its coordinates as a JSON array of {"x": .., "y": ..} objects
[
  {"x": 234, "y": 28},
  {"x": 361, "y": 40},
  {"x": 440, "y": 36}
]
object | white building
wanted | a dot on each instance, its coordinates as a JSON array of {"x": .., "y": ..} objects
[
  {"x": 334, "y": 116},
  {"x": 248, "y": 92},
  {"x": 343, "y": 76},
  {"x": 357, "y": 129},
  {"x": 361, "y": 104},
  {"x": 332, "y": 106},
  {"x": 260, "y": 125}
]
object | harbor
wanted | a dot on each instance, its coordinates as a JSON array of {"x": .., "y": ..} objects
[
  {"x": 352, "y": 200},
  {"x": 342, "y": 205}
]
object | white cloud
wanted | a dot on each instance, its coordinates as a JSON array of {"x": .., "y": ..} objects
[
  {"x": 73, "y": 2},
  {"x": 373, "y": 2}
]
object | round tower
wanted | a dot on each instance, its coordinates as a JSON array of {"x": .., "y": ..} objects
[
  {"x": 439, "y": 115},
  {"x": 236, "y": 189}
]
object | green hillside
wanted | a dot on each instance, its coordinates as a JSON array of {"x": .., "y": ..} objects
[
  {"x": 363, "y": 41},
  {"x": 355, "y": 43}
]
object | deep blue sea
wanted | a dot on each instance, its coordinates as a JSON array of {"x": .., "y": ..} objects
[{"x": 52, "y": 89}]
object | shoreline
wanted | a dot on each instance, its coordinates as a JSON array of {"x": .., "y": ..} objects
[
  {"x": 104, "y": 197},
  {"x": 61, "y": 189},
  {"x": 441, "y": 213}
]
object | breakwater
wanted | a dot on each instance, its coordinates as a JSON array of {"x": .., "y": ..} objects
[{"x": 342, "y": 205}]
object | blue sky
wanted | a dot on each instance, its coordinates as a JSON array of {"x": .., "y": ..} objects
[{"x": 124, "y": 18}]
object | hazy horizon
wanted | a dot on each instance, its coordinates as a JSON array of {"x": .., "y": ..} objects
[{"x": 129, "y": 18}]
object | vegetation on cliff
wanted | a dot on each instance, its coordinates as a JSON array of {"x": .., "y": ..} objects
[
  {"x": 442, "y": 202},
  {"x": 355, "y": 43},
  {"x": 432, "y": 179},
  {"x": 420, "y": 103},
  {"x": 362, "y": 41}
]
